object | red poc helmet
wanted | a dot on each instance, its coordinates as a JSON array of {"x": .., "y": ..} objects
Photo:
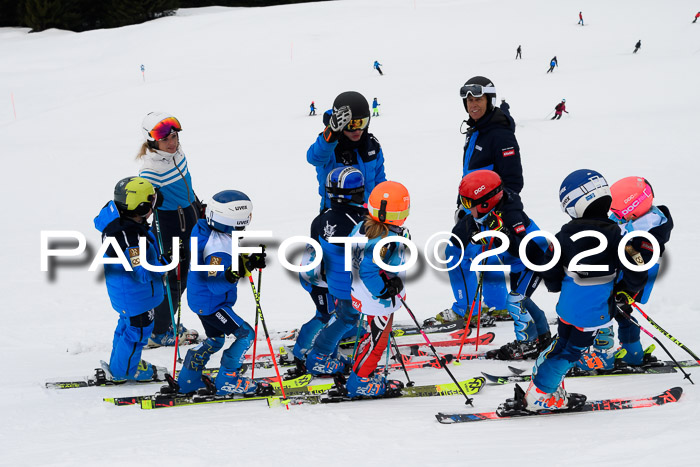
[
  {"x": 632, "y": 197},
  {"x": 481, "y": 189}
]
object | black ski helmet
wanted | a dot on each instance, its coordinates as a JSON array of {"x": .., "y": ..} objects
[
  {"x": 482, "y": 81},
  {"x": 356, "y": 101}
]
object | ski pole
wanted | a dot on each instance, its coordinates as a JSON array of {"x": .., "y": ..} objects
[
  {"x": 167, "y": 282},
  {"x": 634, "y": 321},
  {"x": 403, "y": 365},
  {"x": 478, "y": 324},
  {"x": 663, "y": 331},
  {"x": 388, "y": 351},
  {"x": 259, "y": 311},
  {"x": 255, "y": 342},
  {"x": 477, "y": 294},
  {"x": 176, "y": 354},
  {"x": 442, "y": 360},
  {"x": 357, "y": 338}
]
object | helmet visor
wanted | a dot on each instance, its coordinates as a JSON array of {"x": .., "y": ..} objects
[
  {"x": 357, "y": 124},
  {"x": 474, "y": 202},
  {"x": 164, "y": 128},
  {"x": 476, "y": 90}
]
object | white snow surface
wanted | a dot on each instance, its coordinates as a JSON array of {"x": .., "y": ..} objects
[{"x": 240, "y": 81}]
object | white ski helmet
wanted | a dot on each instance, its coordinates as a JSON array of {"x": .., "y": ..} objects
[
  {"x": 158, "y": 125},
  {"x": 229, "y": 210}
]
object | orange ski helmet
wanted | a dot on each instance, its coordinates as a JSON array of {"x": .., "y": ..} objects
[
  {"x": 389, "y": 203},
  {"x": 632, "y": 197}
]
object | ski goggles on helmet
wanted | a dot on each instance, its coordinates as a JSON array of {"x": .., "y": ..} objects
[
  {"x": 476, "y": 90},
  {"x": 144, "y": 208},
  {"x": 357, "y": 124},
  {"x": 164, "y": 128},
  {"x": 474, "y": 202}
]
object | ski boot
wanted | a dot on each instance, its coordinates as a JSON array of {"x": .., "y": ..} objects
[
  {"x": 535, "y": 400},
  {"x": 320, "y": 364},
  {"x": 147, "y": 372},
  {"x": 298, "y": 370},
  {"x": 543, "y": 341},
  {"x": 167, "y": 339},
  {"x": 372, "y": 386},
  {"x": 171, "y": 388},
  {"x": 516, "y": 350},
  {"x": 445, "y": 316},
  {"x": 648, "y": 360},
  {"x": 231, "y": 383},
  {"x": 498, "y": 315}
]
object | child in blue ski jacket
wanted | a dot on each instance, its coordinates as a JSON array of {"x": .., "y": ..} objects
[
  {"x": 496, "y": 208},
  {"x": 212, "y": 295},
  {"x": 590, "y": 289},
  {"x": 330, "y": 283},
  {"x": 633, "y": 210},
  {"x": 374, "y": 290},
  {"x": 133, "y": 293}
]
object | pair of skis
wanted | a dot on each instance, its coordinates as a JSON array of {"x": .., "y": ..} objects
[
  {"x": 603, "y": 405},
  {"x": 298, "y": 392}
]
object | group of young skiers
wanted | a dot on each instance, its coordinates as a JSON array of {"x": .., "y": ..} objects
[{"x": 358, "y": 201}]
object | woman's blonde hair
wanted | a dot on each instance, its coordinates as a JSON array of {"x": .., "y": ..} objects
[
  {"x": 142, "y": 152},
  {"x": 374, "y": 229}
]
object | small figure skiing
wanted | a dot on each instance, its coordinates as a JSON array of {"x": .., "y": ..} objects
[
  {"x": 552, "y": 63},
  {"x": 375, "y": 108},
  {"x": 376, "y": 67},
  {"x": 518, "y": 53},
  {"x": 312, "y": 109},
  {"x": 637, "y": 46},
  {"x": 561, "y": 107},
  {"x": 580, "y": 18},
  {"x": 697, "y": 15}
]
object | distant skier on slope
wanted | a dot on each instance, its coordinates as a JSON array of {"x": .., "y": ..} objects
[
  {"x": 697, "y": 15},
  {"x": 560, "y": 107},
  {"x": 375, "y": 108},
  {"x": 637, "y": 46},
  {"x": 580, "y": 18},
  {"x": 552, "y": 63},
  {"x": 376, "y": 67},
  {"x": 518, "y": 53},
  {"x": 312, "y": 109}
]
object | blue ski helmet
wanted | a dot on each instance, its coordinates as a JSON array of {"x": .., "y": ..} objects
[
  {"x": 346, "y": 185},
  {"x": 580, "y": 189},
  {"x": 229, "y": 210}
]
